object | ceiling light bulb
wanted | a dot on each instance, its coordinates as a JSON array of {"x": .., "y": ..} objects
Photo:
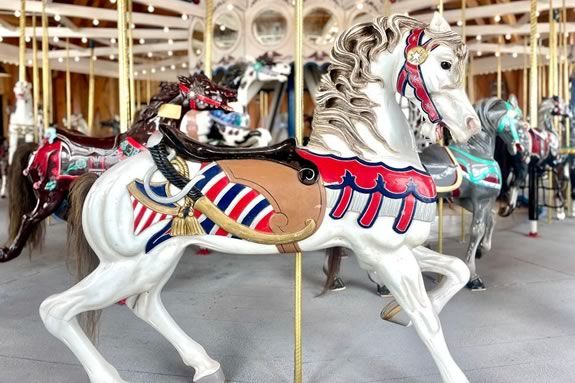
[
  {"x": 150, "y": 54},
  {"x": 113, "y": 40},
  {"x": 170, "y": 53},
  {"x": 84, "y": 40},
  {"x": 1, "y": 39},
  {"x": 547, "y": 57},
  {"x": 60, "y": 60},
  {"x": 184, "y": 17},
  {"x": 144, "y": 71},
  {"x": 112, "y": 57},
  {"x": 96, "y": 22},
  {"x": 133, "y": 26},
  {"x": 153, "y": 70},
  {"x": 57, "y": 17},
  {"x": 136, "y": 73},
  {"x": 113, "y": 1},
  {"x": 359, "y": 6},
  {"x": 514, "y": 55},
  {"x": 29, "y": 62},
  {"x": 17, "y": 13},
  {"x": 459, "y": 23},
  {"x": 184, "y": 65},
  {"x": 28, "y": 39},
  {"x": 497, "y": 18},
  {"x": 222, "y": 27},
  {"x": 497, "y": 54},
  {"x": 478, "y": 37},
  {"x": 508, "y": 36},
  {"x": 76, "y": 58},
  {"x": 170, "y": 41},
  {"x": 151, "y": 8},
  {"x": 142, "y": 41},
  {"x": 166, "y": 29},
  {"x": 163, "y": 69},
  {"x": 198, "y": 51},
  {"x": 173, "y": 66},
  {"x": 479, "y": 53},
  {"x": 94, "y": 57},
  {"x": 56, "y": 39}
]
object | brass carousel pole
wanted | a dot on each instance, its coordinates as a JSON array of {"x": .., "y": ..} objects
[
  {"x": 440, "y": 200},
  {"x": 45, "y": 69},
  {"x": 208, "y": 37},
  {"x": 525, "y": 80},
  {"x": 91, "y": 90},
  {"x": 499, "y": 74},
  {"x": 552, "y": 90},
  {"x": 68, "y": 88},
  {"x": 464, "y": 37},
  {"x": 35, "y": 80},
  {"x": 566, "y": 96},
  {"x": 123, "y": 67},
  {"x": 22, "y": 43},
  {"x": 533, "y": 98},
  {"x": 131, "y": 63},
  {"x": 298, "y": 67}
]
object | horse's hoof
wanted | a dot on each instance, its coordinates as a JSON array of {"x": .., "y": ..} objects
[
  {"x": 393, "y": 313},
  {"x": 216, "y": 377},
  {"x": 4, "y": 255},
  {"x": 383, "y": 291},
  {"x": 476, "y": 285},
  {"x": 478, "y": 253},
  {"x": 337, "y": 285}
]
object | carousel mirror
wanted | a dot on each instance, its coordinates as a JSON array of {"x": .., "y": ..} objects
[
  {"x": 198, "y": 38},
  {"x": 269, "y": 27},
  {"x": 320, "y": 27},
  {"x": 226, "y": 30}
]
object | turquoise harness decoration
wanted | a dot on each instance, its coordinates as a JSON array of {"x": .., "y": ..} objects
[
  {"x": 477, "y": 170},
  {"x": 507, "y": 120}
]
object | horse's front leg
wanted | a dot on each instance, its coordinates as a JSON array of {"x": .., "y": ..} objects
[
  {"x": 477, "y": 233},
  {"x": 400, "y": 272},
  {"x": 29, "y": 226},
  {"x": 489, "y": 227}
]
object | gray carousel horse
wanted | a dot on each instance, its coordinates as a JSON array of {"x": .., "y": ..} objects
[
  {"x": 479, "y": 187},
  {"x": 3, "y": 166}
]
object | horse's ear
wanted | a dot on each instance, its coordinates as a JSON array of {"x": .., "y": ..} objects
[
  {"x": 250, "y": 59},
  {"x": 513, "y": 100},
  {"x": 439, "y": 24}
]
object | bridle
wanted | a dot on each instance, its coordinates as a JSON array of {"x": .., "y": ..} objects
[
  {"x": 195, "y": 98},
  {"x": 415, "y": 53}
]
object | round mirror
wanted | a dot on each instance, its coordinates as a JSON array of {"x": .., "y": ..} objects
[
  {"x": 198, "y": 38},
  {"x": 320, "y": 27},
  {"x": 269, "y": 27},
  {"x": 226, "y": 30}
]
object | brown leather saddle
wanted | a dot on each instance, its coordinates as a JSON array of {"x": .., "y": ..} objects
[
  {"x": 102, "y": 143},
  {"x": 284, "y": 153}
]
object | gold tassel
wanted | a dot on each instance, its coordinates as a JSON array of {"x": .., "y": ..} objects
[{"x": 186, "y": 224}]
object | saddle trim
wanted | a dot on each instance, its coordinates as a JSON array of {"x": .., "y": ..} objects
[{"x": 458, "y": 175}]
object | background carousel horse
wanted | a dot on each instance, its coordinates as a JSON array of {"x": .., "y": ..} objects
[
  {"x": 270, "y": 200},
  {"x": 64, "y": 156},
  {"x": 77, "y": 124},
  {"x": 3, "y": 167},
  {"x": 21, "y": 127},
  {"x": 223, "y": 129},
  {"x": 480, "y": 185}
]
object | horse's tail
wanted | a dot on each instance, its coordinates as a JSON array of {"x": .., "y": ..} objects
[
  {"x": 22, "y": 197},
  {"x": 80, "y": 254},
  {"x": 334, "y": 254}
]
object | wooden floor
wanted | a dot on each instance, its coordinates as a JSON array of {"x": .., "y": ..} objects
[{"x": 522, "y": 329}]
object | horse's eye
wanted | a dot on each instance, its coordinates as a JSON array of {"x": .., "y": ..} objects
[{"x": 445, "y": 65}]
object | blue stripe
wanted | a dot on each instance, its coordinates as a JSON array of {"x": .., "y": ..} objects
[
  {"x": 227, "y": 199},
  {"x": 208, "y": 175},
  {"x": 207, "y": 225},
  {"x": 249, "y": 218}
]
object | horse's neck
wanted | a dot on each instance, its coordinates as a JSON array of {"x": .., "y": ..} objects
[
  {"x": 481, "y": 145},
  {"x": 243, "y": 90},
  {"x": 399, "y": 150}
]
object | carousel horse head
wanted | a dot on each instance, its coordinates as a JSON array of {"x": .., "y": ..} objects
[
  {"x": 264, "y": 69},
  {"x": 373, "y": 60},
  {"x": 23, "y": 90},
  {"x": 501, "y": 118},
  {"x": 200, "y": 93}
]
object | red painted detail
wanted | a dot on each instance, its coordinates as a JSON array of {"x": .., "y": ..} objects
[
  {"x": 406, "y": 214},
  {"x": 264, "y": 224},
  {"x": 371, "y": 210},
  {"x": 343, "y": 203},
  {"x": 241, "y": 205},
  {"x": 217, "y": 188}
]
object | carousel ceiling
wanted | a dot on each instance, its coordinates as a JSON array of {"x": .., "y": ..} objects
[{"x": 168, "y": 34}]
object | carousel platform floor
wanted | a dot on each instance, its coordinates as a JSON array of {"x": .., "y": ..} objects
[{"x": 522, "y": 329}]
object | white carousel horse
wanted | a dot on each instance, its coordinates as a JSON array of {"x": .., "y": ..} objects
[
  {"x": 22, "y": 119},
  {"x": 77, "y": 123},
  {"x": 363, "y": 148}
]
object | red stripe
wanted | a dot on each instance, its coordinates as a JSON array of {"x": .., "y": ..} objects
[
  {"x": 204, "y": 164},
  {"x": 241, "y": 205},
  {"x": 264, "y": 224},
  {"x": 406, "y": 214},
  {"x": 343, "y": 204},
  {"x": 139, "y": 217},
  {"x": 221, "y": 232},
  {"x": 149, "y": 221},
  {"x": 134, "y": 203},
  {"x": 370, "y": 213},
  {"x": 217, "y": 188},
  {"x": 492, "y": 179}
]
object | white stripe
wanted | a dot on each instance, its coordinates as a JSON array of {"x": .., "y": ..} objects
[
  {"x": 249, "y": 207},
  {"x": 212, "y": 182},
  {"x": 208, "y": 167},
  {"x": 237, "y": 199},
  {"x": 143, "y": 221},
  {"x": 137, "y": 209},
  {"x": 260, "y": 216},
  {"x": 214, "y": 229},
  {"x": 223, "y": 193}
]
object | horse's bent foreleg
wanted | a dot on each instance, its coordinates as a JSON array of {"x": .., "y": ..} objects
[
  {"x": 402, "y": 275},
  {"x": 476, "y": 236},
  {"x": 148, "y": 306},
  {"x": 454, "y": 271},
  {"x": 489, "y": 227},
  {"x": 29, "y": 223}
]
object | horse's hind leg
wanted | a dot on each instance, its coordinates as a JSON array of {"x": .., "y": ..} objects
[
  {"x": 148, "y": 306},
  {"x": 58, "y": 312},
  {"x": 477, "y": 233},
  {"x": 489, "y": 227},
  {"x": 400, "y": 272}
]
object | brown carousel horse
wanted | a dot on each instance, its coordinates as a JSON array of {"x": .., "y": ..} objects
[{"x": 64, "y": 156}]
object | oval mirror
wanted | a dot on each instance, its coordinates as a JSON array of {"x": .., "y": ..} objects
[
  {"x": 226, "y": 30},
  {"x": 269, "y": 27},
  {"x": 320, "y": 27},
  {"x": 198, "y": 38}
]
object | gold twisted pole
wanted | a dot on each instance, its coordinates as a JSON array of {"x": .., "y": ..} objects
[
  {"x": 499, "y": 74},
  {"x": 208, "y": 37},
  {"x": 46, "y": 94},
  {"x": 91, "y": 90},
  {"x": 123, "y": 67},
  {"x": 440, "y": 200},
  {"x": 68, "y": 88},
  {"x": 22, "y": 50},
  {"x": 440, "y": 7},
  {"x": 298, "y": 67},
  {"x": 464, "y": 38},
  {"x": 131, "y": 63},
  {"x": 553, "y": 83},
  {"x": 35, "y": 80},
  {"x": 533, "y": 98},
  {"x": 525, "y": 97}
]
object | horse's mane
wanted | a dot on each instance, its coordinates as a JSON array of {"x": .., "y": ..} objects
[
  {"x": 233, "y": 75},
  {"x": 490, "y": 110},
  {"x": 168, "y": 91},
  {"x": 341, "y": 104}
]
